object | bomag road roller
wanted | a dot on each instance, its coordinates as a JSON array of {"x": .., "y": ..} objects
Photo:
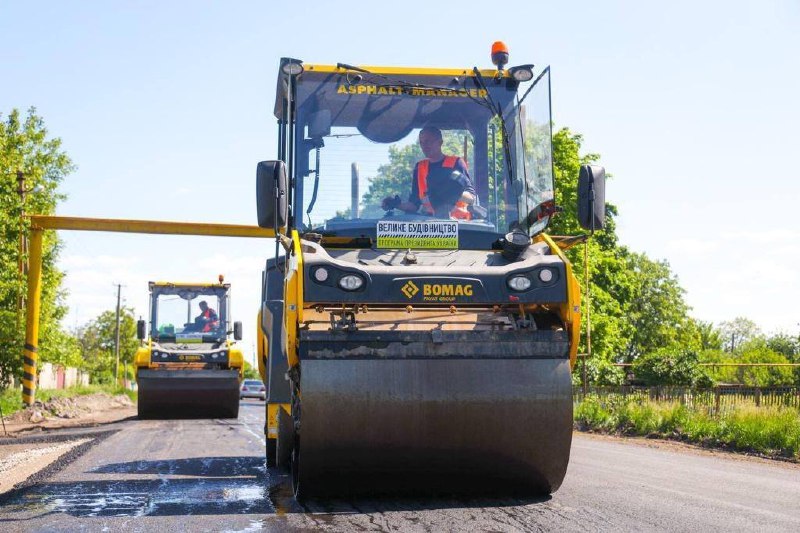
[
  {"x": 188, "y": 367},
  {"x": 418, "y": 327}
]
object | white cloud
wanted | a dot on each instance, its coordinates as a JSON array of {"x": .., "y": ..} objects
[
  {"x": 692, "y": 246},
  {"x": 750, "y": 273}
]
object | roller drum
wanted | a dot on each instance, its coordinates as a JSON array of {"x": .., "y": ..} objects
[
  {"x": 448, "y": 424},
  {"x": 165, "y": 394}
]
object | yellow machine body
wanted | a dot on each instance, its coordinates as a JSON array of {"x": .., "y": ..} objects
[{"x": 415, "y": 350}]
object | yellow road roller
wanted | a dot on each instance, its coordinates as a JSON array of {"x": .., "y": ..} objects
[
  {"x": 418, "y": 326},
  {"x": 188, "y": 367}
]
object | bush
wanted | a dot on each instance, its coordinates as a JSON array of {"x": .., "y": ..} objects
[
  {"x": 671, "y": 367},
  {"x": 11, "y": 397},
  {"x": 599, "y": 371},
  {"x": 589, "y": 414},
  {"x": 768, "y": 430}
]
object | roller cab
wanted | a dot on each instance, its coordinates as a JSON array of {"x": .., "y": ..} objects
[
  {"x": 418, "y": 327},
  {"x": 187, "y": 366}
]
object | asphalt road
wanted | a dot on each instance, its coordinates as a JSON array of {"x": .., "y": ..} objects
[{"x": 210, "y": 476}]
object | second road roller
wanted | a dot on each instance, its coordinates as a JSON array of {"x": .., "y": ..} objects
[
  {"x": 188, "y": 367},
  {"x": 418, "y": 325}
]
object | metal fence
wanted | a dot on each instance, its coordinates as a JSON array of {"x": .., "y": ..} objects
[{"x": 714, "y": 400}]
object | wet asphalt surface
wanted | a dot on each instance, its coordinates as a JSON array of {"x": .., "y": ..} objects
[{"x": 209, "y": 475}]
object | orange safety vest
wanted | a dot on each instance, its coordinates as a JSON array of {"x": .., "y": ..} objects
[
  {"x": 460, "y": 210},
  {"x": 211, "y": 323}
]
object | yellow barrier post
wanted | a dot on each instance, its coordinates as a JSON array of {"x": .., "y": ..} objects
[
  {"x": 29, "y": 353},
  {"x": 46, "y": 222}
]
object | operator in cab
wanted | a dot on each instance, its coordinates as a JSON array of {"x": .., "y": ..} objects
[
  {"x": 207, "y": 319},
  {"x": 441, "y": 185}
]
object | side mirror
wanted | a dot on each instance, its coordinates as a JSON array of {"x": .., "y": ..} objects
[
  {"x": 271, "y": 194},
  {"x": 592, "y": 197},
  {"x": 237, "y": 331},
  {"x": 141, "y": 330},
  {"x": 319, "y": 124}
]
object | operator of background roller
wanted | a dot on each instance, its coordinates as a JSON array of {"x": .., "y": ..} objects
[
  {"x": 440, "y": 186},
  {"x": 206, "y": 320}
]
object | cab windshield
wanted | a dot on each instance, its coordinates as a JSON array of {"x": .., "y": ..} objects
[
  {"x": 187, "y": 313},
  {"x": 356, "y": 143}
]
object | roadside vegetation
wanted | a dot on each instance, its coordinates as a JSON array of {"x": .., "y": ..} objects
[
  {"x": 11, "y": 398},
  {"x": 26, "y": 147},
  {"x": 769, "y": 431}
]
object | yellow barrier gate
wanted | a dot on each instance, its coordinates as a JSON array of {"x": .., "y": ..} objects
[{"x": 40, "y": 223}]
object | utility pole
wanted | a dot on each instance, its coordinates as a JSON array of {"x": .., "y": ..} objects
[
  {"x": 23, "y": 242},
  {"x": 116, "y": 337},
  {"x": 22, "y": 191}
]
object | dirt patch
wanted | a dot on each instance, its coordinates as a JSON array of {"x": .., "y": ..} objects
[{"x": 90, "y": 409}]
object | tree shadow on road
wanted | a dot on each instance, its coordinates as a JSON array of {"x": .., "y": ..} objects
[
  {"x": 144, "y": 497},
  {"x": 217, "y": 485},
  {"x": 195, "y": 466}
]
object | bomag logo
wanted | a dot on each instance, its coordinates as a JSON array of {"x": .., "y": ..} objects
[
  {"x": 410, "y": 289},
  {"x": 438, "y": 292},
  {"x": 449, "y": 289},
  {"x": 191, "y": 357}
]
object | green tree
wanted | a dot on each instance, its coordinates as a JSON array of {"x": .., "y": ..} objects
[
  {"x": 763, "y": 376},
  {"x": 789, "y": 347},
  {"x": 25, "y": 147},
  {"x": 710, "y": 337},
  {"x": 737, "y": 332},
  {"x": 658, "y": 314},
  {"x": 97, "y": 338},
  {"x": 250, "y": 372},
  {"x": 734, "y": 367},
  {"x": 784, "y": 344},
  {"x": 637, "y": 304},
  {"x": 671, "y": 366}
]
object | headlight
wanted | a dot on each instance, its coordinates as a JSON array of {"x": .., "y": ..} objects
[
  {"x": 292, "y": 67},
  {"x": 214, "y": 355},
  {"x": 351, "y": 282},
  {"x": 156, "y": 354},
  {"x": 522, "y": 72},
  {"x": 321, "y": 274},
  {"x": 519, "y": 283},
  {"x": 164, "y": 355},
  {"x": 546, "y": 275}
]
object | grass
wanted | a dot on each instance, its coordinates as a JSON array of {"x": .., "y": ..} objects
[
  {"x": 771, "y": 431},
  {"x": 11, "y": 398}
]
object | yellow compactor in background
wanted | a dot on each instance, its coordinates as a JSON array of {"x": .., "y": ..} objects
[
  {"x": 188, "y": 367},
  {"x": 417, "y": 350}
]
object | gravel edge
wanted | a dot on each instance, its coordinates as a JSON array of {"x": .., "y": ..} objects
[{"x": 57, "y": 465}]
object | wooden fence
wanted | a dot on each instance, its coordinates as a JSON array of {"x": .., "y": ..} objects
[{"x": 714, "y": 400}]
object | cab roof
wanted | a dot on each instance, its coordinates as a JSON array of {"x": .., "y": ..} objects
[
  {"x": 407, "y": 71},
  {"x": 188, "y": 285},
  {"x": 426, "y": 75}
]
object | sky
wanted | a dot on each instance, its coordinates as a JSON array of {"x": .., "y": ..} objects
[{"x": 166, "y": 107}]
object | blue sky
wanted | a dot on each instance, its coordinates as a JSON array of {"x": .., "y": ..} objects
[{"x": 165, "y": 107}]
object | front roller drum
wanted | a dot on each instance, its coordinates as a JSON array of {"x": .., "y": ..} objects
[
  {"x": 197, "y": 393},
  {"x": 450, "y": 425}
]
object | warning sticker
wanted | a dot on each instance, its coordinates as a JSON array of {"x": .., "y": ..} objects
[{"x": 439, "y": 234}]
